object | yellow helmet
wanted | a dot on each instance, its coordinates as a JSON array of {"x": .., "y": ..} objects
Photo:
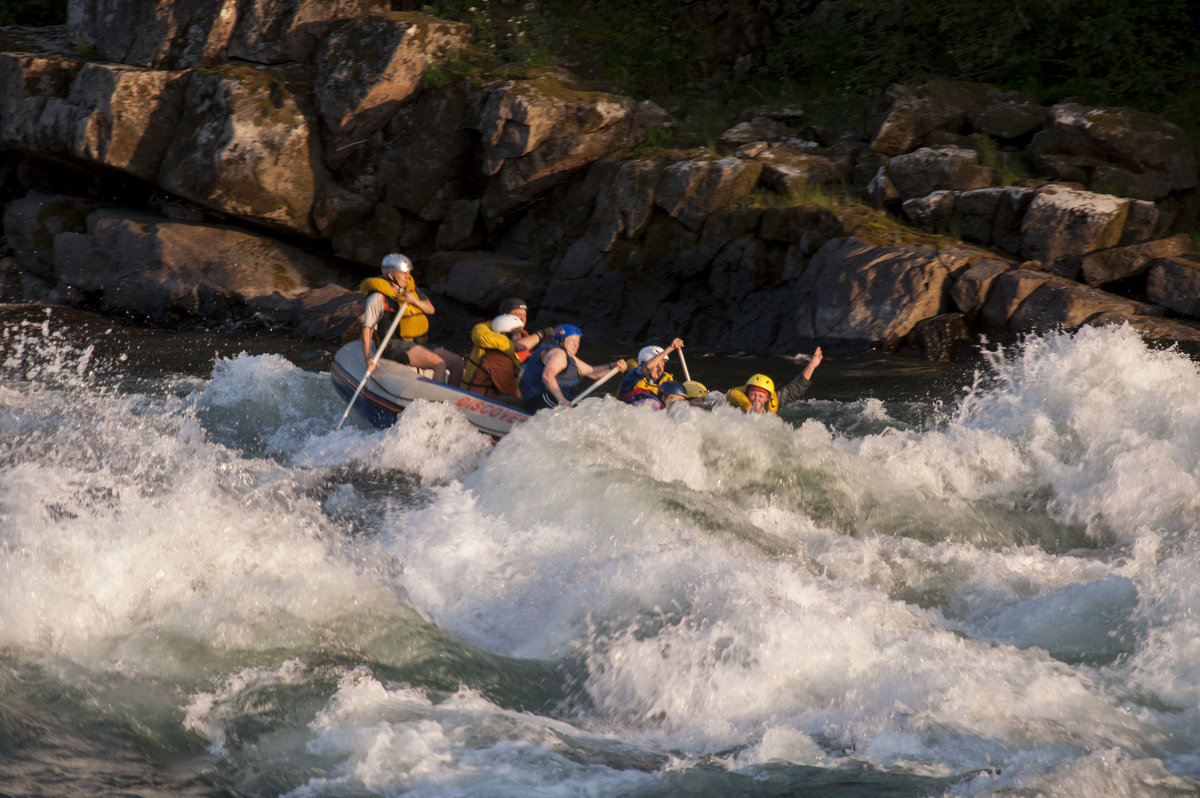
[
  {"x": 695, "y": 390},
  {"x": 761, "y": 381}
]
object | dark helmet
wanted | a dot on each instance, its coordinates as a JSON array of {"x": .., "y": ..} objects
[{"x": 671, "y": 388}]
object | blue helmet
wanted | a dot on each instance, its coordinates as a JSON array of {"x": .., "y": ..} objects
[{"x": 564, "y": 331}]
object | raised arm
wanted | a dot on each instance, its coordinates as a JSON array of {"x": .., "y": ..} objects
[
  {"x": 662, "y": 356},
  {"x": 795, "y": 390}
]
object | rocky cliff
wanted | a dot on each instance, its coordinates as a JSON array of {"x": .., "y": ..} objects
[{"x": 244, "y": 164}]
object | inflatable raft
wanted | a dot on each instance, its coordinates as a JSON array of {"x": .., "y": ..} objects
[{"x": 394, "y": 386}]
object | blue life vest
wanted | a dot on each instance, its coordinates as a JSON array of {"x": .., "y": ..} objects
[{"x": 532, "y": 387}]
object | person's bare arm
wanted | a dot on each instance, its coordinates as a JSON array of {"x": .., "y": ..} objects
[
  {"x": 412, "y": 298},
  {"x": 591, "y": 371},
  {"x": 813, "y": 362},
  {"x": 367, "y": 341},
  {"x": 555, "y": 362}
]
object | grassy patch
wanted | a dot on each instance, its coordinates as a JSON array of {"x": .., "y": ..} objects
[{"x": 878, "y": 228}]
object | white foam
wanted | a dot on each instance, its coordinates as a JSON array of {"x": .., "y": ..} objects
[
  {"x": 729, "y": 588},
  {"x": 726, "y": 576},
  {"x": 398, "y": 740}
]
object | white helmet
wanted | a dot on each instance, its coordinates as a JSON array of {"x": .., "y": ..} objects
[
  {"x": 649, "y": 352},
  {"x": 395, "y": 262},
  {"x": 506, "y": 323}
]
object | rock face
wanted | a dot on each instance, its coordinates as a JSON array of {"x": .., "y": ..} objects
[
  {"x": 280, "y": 149},
  {"x": 862, "y": 292},
  {"x": 193, "y": 33},
  {"x": 927, "y": 169},
  {"x": 1137, "y": 154},
  {"x": 245, "y": 148},
  {"x": 163, "y": 270},
  {"x": 372, "y": 63}
]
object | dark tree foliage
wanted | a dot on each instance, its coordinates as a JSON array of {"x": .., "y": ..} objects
[
  {"x": 1105, "y": 51},
  {"x": 35, "y": 13},
  {"x": 1109, "y": 51}
]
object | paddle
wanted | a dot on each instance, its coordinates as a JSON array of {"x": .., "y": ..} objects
[
  {"x": 373, "y": 361},
  {"x": 683, "y": 363},
  {"x": 596, "y": 385}
]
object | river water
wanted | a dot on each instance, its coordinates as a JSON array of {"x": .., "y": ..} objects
[{"x": 919, "y": 581}]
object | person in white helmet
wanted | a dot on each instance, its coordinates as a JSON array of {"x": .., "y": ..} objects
[
  {"x": 641, "y": 384},
  {"x": 385, "y": 297},
  {"x": 495, "y": 368},
  {"x": 485, "y": 338}
]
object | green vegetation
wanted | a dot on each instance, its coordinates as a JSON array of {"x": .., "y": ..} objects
[
  {"x": 35, "y": 13},
  {"x": 706, "y": 62},
  {"x": 1011, "y": 167},
  {"x": 1105, "y": 51}
]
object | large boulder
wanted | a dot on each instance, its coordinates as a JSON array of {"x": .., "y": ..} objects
[
  {"x": 388, "y": 229},
  {"x": 971, "y": 287},
  {"x": 403, "y": 166},
  {"x": 483, "y": 280},
  {"x": 1131, "y": 153},
  {"x": 1059, "y": 303},
  {"x": 993, "y": 216},
  {"x": 110, "y": 115},
  {"x": 946, "y": 337},
  {"x": 31, "y": 223},
  {"x": 328, "y": 313},
  {"x": 1024, "y": 300},
  {"x": 932, "y": 211},
  {"x": 690, "y": 190},
  {"x": 624, "y": 202},
  {"x": 275, "y": 31},
  {"x": 374, "y": 62},
  {"x": 903, "y": 119},
  {"x": 1011, "y": 116},
  {"x": 1062, "y": 224},
  {"x": 246, "y": 147},
  {"x": 152, "y": 34},
  {"x": 1174, "y": 283},
  {"x": 1120, "y": 263},
  {"x": 124, "y": 117},
  {"x": 855, "y": 291},
  {"x": 593, "y": 302},
  {"x": 165, "y": 271},
  {"x": 536, "y": 130},
  {"x": 1007, "y": 291},
  {"x": 234, "y": 138},
  {"x": 191, "y": 33},
  {"x": 790, "y": 170},
  {"x": 930, "y": 169}
]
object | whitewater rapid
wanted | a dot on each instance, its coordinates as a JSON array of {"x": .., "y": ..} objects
[{"x": 995, "y": 595}]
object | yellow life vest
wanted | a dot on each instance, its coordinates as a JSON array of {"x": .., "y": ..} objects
[
  {"x": 415, "y": 324},
  {"x": 484, "y": 338}
]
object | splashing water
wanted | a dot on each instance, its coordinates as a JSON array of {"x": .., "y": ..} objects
[{"x": 610, "y": 601}]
